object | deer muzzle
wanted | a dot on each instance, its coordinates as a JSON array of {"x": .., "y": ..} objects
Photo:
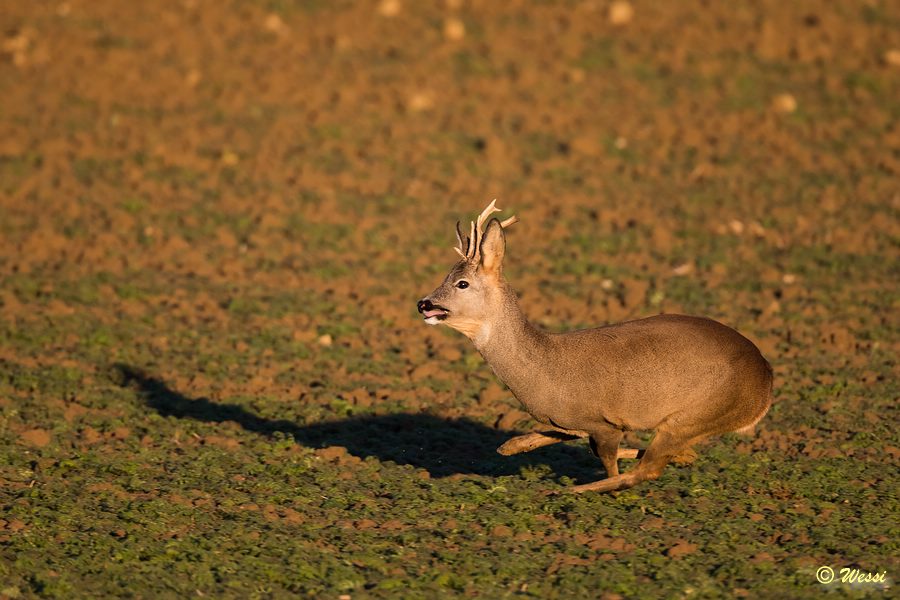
[{"x": 432, "y": 312}]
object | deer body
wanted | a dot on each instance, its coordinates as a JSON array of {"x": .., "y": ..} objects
[{"x": 684, "y": 377}]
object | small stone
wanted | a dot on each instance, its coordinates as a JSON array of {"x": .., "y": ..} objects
[
  {"x": 17, "y": 42},
  {"x": 784, "y": 103},
  {"x": 621, "y": 13},
  {"x": 274, "y": 23},
  {"x": 389, "y": 8},
  {"x": 421, "y": 101},
  {"x": 454, "y": 29},
  {"x": 892, "y": 57},
  {"x": 229, "y": 158},
  {"x": 701, "y": 171},
  {"x": 756, "y": 229},
  {"x": 789, "y": 278},
  {"x": 736, "y": 227},
  {"x": 684, "y": 269},
  {"x": 576, "y": 75},
  {"x": 325, "y": 340},
  {"x": 192, "y": 78},
  {"x": 342, "y": 43}
]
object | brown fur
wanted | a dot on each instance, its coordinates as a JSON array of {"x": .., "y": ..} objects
[{"x": 686, "y": 378}]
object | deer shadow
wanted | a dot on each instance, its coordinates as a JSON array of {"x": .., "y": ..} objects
[{"x": 441, "y": 446}]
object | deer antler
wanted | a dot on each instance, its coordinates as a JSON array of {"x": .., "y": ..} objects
[
  {"x": 462, "y": 243},
  {"x": 468, "y": 245}
]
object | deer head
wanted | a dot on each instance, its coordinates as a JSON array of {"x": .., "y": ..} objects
[{"x": 473, "y": 292}]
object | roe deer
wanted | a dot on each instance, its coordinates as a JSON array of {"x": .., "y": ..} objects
[{"x": 686, "y": 378}]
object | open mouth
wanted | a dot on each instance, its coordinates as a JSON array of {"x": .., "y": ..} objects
[{"x": 435, "y": 312}]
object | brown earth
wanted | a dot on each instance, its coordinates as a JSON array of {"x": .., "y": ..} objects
[{"x": 252, "y": 149}]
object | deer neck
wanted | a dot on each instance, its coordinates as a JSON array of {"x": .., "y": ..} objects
[{"x": 517, "y": 351}]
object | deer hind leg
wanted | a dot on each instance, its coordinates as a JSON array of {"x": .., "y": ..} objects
[
  {"x": 666, "y": 446},
  {"x": 539, "y": 439},
  {"x": 685, "y": 457}
]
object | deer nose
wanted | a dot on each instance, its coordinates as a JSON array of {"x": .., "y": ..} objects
[{"x": 424, "y": 304}]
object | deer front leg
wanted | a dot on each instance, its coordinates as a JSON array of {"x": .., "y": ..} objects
[
  {"x": 538, "y": 439},
  {"x": 605, "y": 446}
]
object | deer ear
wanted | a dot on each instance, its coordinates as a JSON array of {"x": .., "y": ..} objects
[{"x": 493, "y": 247}]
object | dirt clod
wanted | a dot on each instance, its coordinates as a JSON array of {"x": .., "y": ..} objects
[
  {"x": 332, "y": 453},
  {"x": 892, "y": 57},
  {"x": 681, "y": 548},
  {"x": 389, "y": 8},
  {"x": 15, "y": 525},
  {"x": 501, "y": 531},
  {"x": 620, "y": 12},
  {"x": 784, "y": 103},
  {"x": 35, "y": 437},
  {"x": 454, "y": 29}
]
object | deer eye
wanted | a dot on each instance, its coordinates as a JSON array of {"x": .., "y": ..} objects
[{"x": 463, "y": 284}]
